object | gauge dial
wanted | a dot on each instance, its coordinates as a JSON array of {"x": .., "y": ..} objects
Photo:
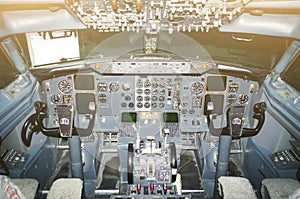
[
  {"x": 139, "y": 84},
  {"x": 102, "y": 98},
  {"x": 154, "y": 98},
  {"x": 55, "y": 98},
  {"x": 231, "y": 98},
  {"x": 64, "y": 86},
  {"x": 126, "y": 86},
  {"x": 127, "y": 98},
  {"x": 162, "y": 91},
  {"x": 139, "y": 98},
  {"x": 197, "y": 88},
  {"x": 139, "y": 105},
  {"x": 155, "y": 92},
  {"x": 243, "y": 99},
  {"x": 161, "y": 98},
  {"x": 233, "y": 87},
  {"x": 114, "y": 87},
  {"x": 147, "y": 91},
  {"x": 154, "y": 85},
  {"x": 147, "y": 84},
  {"x": 102, "y": 86},
  {"x": 147, "y": 98},
  {"x": 147, "y": 105},
  {"x": 139, "y": 91}
]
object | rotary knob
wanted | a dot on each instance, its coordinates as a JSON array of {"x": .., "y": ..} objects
[{"x": 126, "y": 86}]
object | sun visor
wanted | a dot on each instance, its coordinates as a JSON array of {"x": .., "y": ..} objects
[
  {"x": 274, "y": 4},
  {"x": 282, "y": 25},
  {"x": 24, "y": 21}
]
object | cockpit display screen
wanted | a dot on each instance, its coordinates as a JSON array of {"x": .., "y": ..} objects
[
  {"x": 216, "y": 83},
  {"x": 128, "y": 117},
  {"x": 170, "y": 117},
  {"x": 217, "y": 100},
  {"x": 84, "y": 82}
]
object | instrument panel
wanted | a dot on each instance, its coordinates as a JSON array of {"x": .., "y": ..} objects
[{"x": 123, "y": 99}]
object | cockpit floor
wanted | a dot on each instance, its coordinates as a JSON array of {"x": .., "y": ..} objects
[
  {"x": 189, "y": 170},
  {"x": 110, "y": 174}
]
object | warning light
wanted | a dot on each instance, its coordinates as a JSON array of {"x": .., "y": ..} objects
[
  {"x": 252, "y": 88},
  {"x": 47, "y": 86}
]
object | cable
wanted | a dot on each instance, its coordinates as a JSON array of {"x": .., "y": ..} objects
[{"x": 185, "y": 164}]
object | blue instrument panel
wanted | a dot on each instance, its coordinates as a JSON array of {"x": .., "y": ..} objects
[{"x": 113, "y": 95}]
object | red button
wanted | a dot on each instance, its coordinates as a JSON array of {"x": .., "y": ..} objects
[
  {"x": 138, "y": 188},
  {"x": 152, "y": 187}
]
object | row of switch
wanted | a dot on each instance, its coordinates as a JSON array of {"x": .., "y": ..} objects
[{"x": 152, "y": 189}]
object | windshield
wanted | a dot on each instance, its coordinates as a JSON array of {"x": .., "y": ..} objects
[
  {"x": 8, "y": 72},
  {"x": 247, "y": 51}
]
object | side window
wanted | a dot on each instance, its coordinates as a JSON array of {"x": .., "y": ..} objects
[
  {"x": 292, "y": 75},
  {"x": 8, "y": 72},
  {"x": 20, "y": 42}
]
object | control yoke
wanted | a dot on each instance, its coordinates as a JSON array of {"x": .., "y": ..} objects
[
  {"x": 233, "y": 130},
  {"x": 34, "y": 124},
  {"x": 235, "y": 119}
]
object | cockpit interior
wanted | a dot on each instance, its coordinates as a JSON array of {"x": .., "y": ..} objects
[{"x": 150, "y": 99}]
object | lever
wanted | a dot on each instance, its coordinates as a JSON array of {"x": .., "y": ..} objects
[
  {"x": 234, "y": 128},
  {"x": 173, "y": 160},
  {"x": 35, "y": 124}
]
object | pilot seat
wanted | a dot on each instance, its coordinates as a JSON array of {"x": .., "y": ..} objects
[
  {"x": 25, "y": 188},
  {"x": 272, "y": 188}
]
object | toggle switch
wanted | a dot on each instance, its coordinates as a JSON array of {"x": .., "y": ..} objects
[
  {"x": 165, "y": 188},
  {"x": 138, "y": 188},
  {"x": 152, "y": 188}
]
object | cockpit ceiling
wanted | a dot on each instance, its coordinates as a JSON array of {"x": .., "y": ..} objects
[
  {"x": 281, "y": 25},
  {"x": 32, "y": 2},
  {"x": 24, "y": 21},
  {"x": 194, "y": 16},
  {"x": 155, "y": 15},
  {"x": 273, "y": 4}
]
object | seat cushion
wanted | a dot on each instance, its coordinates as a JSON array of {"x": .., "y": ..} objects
[
  {"x": 66, "y": 188},
  {"x": 27, "y": 186},
  {"x": 235, "y": 188},
  {"x": 295, "y": 195},
  {"x": 278, "y": 188},
  {"x": 8, "y": 189}
]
